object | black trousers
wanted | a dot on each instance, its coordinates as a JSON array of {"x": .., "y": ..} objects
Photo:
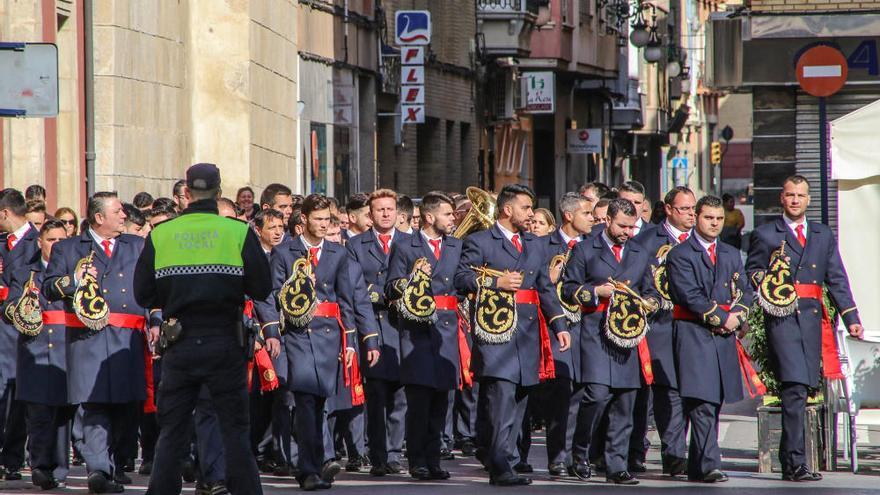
[
  {"x": 347, "y": 428},
  {"x": 792, "y": 445},
  {"x": 101, "y": 434},
  {"x": 218, "y": 363},
  {"x": 209, "y": 440},
  {"x": 48, "y": 430},
  {"x": 263, "y": 442},
  {"x": 502, "y": 408},
  {"x": 425, "y": 419},
  {"x": 704, "y": 455},
  {"x": 619, "y": 404},
  {"x": 13, "y": 432},
  {"x": 465, "y": 413},
  {"x": 563, "y": 400},
  {"x": 642, "y": 412},
  {"x": 310, "y": 433},
  {"x": 386, "y": 411},
  {"x": 282, "y": 427}
]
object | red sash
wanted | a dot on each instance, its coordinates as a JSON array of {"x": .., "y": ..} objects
[
  {"x": 546, "y": 366},
  {"x": 450, "y": 303},
  {"x": 352, "y": 374},
  {"x": 753, "y": 382},
  {"x": 4, "y": 292},
  {"x": 121, "y": 320},
  {"x": 261, "y": 359},
  {"x": 643, "y": 349},
  {"x": 830, "y": 358}
]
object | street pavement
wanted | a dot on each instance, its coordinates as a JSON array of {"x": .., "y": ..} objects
[{"x": 738, "y": 434}]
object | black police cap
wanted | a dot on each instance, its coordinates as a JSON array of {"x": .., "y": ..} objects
[{"x": 203, "y": 177}]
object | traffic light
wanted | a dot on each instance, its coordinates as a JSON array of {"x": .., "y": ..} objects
[{"x": 716, "y": 153}]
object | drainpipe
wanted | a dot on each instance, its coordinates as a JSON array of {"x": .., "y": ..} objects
[{"x": 89, "y": 96}]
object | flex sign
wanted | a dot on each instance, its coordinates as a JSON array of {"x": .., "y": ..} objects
[
  {"x": 540, "y": 92},
  {"x": 412, "y": 31}
]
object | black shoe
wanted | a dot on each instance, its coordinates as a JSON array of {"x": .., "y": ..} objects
[
  {"x": 420, "y": 473},
  {"x": 330, "y": 470},
  {"x": 581, "y": 470},
  {"x": 189, "y": 471},
  {"x": 598, "y": 465},
  {"x": 637, "y": 467},
  {"x": 378, "y": 470},
  {"x": 446, "y": 455},
  {"x": 715, "y": 476},
  {"x": 128, "y": 467},
  {"x": 524, "y": 468},
  {"x": 121, "y": 478},
  {"x": 14, "y": 475},
  {"x": 202, "y": 488},
  {"x": 312, "y": 482},
  {"x": 353, "y": 465},
  {"x": 146, "y": 468},
  {"x": 509, "y": 479},
  {"x": 43, "y": 479},
  {"x": 438, "y": 474},
  {"x": 468, "y": 449},
  {"x": 622, "y": 478},
  {"x": 674, "y": 466},
  {"x": 266, "y": 465},
  {"x": 801, "y": 473},
  {"x": 394, "y": 467},
  {"x": 101, "y": 483},
  {"x": 557, "y": 469},
  {"x": 77, "y": 460},
  {"x": 218, "y": 488}
]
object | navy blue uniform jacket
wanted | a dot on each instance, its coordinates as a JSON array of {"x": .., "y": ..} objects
[
  {"x": 518, "y": 360},
  {"x": 366, "y": 251},
  {"x": 10, "y": 261},
  {"x": 42, "y": 359},
  {"x": 590, "y": 265},
  {"x": 796, "y": 340},
  {"x": 428, "y": 351},
  {"x": 707, "y": 363},
  {"x": 105, "y": 366}
]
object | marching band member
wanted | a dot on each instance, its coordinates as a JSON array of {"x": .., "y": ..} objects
[
  {"x": 795, "y": 258},
  {"x": 598, "y": 275},
  {"x": 506, "y": 269},
  {"x": 712, "y": 298},
  {"x": 421, "y": 274}
]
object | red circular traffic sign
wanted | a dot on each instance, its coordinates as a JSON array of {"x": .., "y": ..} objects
[{"x": 821, "y": 71}]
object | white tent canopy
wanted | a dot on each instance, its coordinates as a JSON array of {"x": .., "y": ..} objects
[{"x": 855, "y": 164}]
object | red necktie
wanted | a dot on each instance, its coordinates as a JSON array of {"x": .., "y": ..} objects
[
  {"x": 516, "y": 244},
  {"x": 617, "y": 249},
  {"x": 107, "y": 250},
  {"x": 682, "y": 237},
  {"x": 435, "y": 243},
  {"x": 800, "y": 235},
  {"x": 385, "y": 239},
  {"x": 571, "y": 244},
  {"x": 712, "y": 253},
  {"x": 313, "y": 255},
  {"x": 10, "y": 242}
]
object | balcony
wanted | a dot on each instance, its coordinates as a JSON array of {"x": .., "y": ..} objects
[{"x": 506, "y": 26}]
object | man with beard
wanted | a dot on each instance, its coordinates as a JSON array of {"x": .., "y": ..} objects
[
  {"x": 358, "y": 211},
  {"x": 611, "y": 373},
  {"x": 510, "y": 359},
  {"x": 430, "y": 366}
]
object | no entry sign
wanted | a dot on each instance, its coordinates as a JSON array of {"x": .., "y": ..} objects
[{"x": 821, "y": 71}]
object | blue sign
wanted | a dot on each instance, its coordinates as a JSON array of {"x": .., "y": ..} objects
[
  {"x": 412, "y": 27},
  {"x": 680, "y": 162}
]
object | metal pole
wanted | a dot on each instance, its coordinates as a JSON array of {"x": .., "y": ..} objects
[
  {"x": 89, "y": 96},
  {"x": 823, "y": 159}
]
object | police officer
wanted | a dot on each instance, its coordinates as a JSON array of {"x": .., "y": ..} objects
[
  {"x": 712, "y": 299},
  {"x": 798, "y": 339},
  {"x": 198, "y": 268}
]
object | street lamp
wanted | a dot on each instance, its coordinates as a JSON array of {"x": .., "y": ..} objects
[
  {"x": 639, "y": 36},
  {"x": 673, "y": 69},
  {"x": 654, "y": 48}
]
